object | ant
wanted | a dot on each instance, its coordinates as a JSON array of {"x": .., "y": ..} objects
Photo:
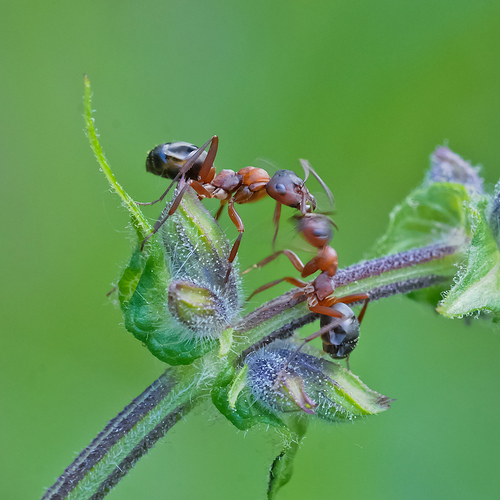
[
  {"x": 339, "y": 327},
  {"x": 339, "y": 333},
  {"x": 316, "y": 229},
  {"x": 190, "y": 166}
]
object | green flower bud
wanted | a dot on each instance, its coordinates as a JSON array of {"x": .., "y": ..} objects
[
  {"x": 447, "y": 166},
  {"x": 494, "y": 214},
  {"x": 286, "y": 381},
  {"x": 173, "y": 294},
  {"x": 198, "y": 308},
  {"x": 232, "y": 398}
]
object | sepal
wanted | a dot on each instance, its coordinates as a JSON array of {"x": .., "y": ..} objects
[
  {"x": 286, "y": 381},
  {"x": 173, "y": 294}
]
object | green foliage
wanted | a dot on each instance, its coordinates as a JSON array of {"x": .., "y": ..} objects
[
  {"x": 176, "y": 326},
  {"x": 429, "y": 214},
  {"x": 244, "y": 411},
  {"x": 477, "y": 287},
  {"x": 454, "y": 213},
  {"x": 176, "y": 301},
  {"x": 281, "y": 469}
]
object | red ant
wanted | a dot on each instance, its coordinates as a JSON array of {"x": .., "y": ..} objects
[
  {"x": 317, "y": 229},
  {"x": 339, "y": 327},
  {"x": 339, "y": 336},
  {"x": 193, "y": 167}
]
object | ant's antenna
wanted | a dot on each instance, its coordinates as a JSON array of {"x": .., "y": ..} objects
[{"x": 308, "y": 169}]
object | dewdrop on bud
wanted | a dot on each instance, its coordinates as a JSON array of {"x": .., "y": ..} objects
[
  {"x": 447, "y": 166},
  {"x": 284, "y": 381}
]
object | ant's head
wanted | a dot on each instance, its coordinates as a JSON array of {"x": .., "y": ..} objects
[
  {"x": 167, "y": 159},
  {"x": 317, "y": 229},
  {"x": 288, "y": 188},
  {"x": 344, "y": 336}
]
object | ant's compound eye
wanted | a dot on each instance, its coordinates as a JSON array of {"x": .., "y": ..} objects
[
  {"x": 283, "y": 186},
  {"x": 157, "y": 160},
  {"x": 280, "y": 189},
  {"x": 320, "y": 233}
]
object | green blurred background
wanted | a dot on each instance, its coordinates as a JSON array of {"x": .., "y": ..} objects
[{"x": 365, "y": 90}]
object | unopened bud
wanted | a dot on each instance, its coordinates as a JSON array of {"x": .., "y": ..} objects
[
  {"x": 178, "y": 302},
  {"x": 285, "y": 380},
  {"x": 494, "y": 214},
  {"x": 197, "y": 308},
  {"x": 447, "y": 166}
]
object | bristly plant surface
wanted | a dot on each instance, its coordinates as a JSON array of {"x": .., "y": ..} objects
[{"x": 441, "y": 248}]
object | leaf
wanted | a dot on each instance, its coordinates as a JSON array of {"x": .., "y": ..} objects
[
  {"x": 477, "y": 287},
  {"x": 234, "y": 401},
  {"x": 493, "y": 214},
  {"x": 456, "y": 212},
  {"x": 180, "y": 303},
  {"x": 190, "y": 249},
  {"x": 281, "y": 469},
  {"x": 429, "y": 214},
  {"x": 139, "y": 222},
  {"x": 433, "y": 213}
]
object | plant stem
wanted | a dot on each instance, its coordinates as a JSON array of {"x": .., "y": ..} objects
[
  {"x": 394, "y": 274},
  {"x": 135, "y": 430},
  {"x": 142, "y": 226},
  {"x": 129, "y": 436}
]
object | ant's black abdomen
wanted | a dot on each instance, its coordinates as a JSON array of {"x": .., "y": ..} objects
[{"x": 166, "y": 160}]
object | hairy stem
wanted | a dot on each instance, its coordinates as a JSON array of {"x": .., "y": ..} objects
[
  {"x": 135, "y": 430},
  {"x": 129, "y": 436},
  {"x": 391, "y": 275},
  {"x": 141, "y": 225}
]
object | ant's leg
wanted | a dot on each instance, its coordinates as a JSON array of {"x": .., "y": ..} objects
[
  {"x": 356, "y": 297},
  {"x": 263, "y": 262},
  {"x": 276, "y": 220},
  {"x": 236, "y": 220},
  {"x": 310, "y": 268},
  {"x": 219, "y": 212},
  {"x": 200, "y": 190},
  {"x": 288, "y": 279},
  {"x": 347, "y": 362},
  {"x": 294, "y": 259},
  {"x": 327, "y": 311},
  {"x": 209, "y": 160},
  {"x": 160, "y": 222},
  {"x": 325, "y": 328},
  {"x": 314, "y": 265},
  {"x": 362, "y": 313},
  {"x": 326, "y": 260},
  {"x": 188, "y": 164},
  {"x": 313, "y": 336}
]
